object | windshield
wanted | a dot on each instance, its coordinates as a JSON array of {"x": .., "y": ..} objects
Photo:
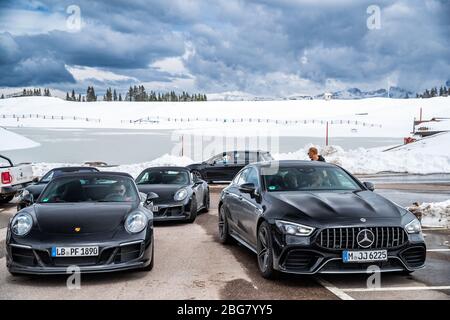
[
  {"x": 164, "y": 176},
  {"x": 91, "y": 189},
  {"x": 57, "y": 172},
  {"x": 309, "y": 179}
]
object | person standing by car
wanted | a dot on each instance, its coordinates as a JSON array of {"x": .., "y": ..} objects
[{"x": 314, "y": 155}]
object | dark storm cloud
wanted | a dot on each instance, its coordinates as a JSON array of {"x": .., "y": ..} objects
[{"x": 251, "y": 46}]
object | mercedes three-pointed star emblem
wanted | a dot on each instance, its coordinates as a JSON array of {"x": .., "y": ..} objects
[{"x": 365, "y": 238}]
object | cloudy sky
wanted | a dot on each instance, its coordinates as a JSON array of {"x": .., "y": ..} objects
[{"x": 279, "y": 47}]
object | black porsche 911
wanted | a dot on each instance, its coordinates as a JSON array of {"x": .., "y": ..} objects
[
  {"x": 96, "y": 221},
  {"x": 310, "y": 217},
  {"x": 175, "y": 192},
  {"x": 33, "y": 191}
]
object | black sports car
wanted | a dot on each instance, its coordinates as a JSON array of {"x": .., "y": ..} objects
[
  {"x": 311, "y": 217},
  {"x": 180, "y": 194},
  {"x": 33, "y": 191},
  {"x": 95, "y": 221},
  {"x": 224, "y": 166}
]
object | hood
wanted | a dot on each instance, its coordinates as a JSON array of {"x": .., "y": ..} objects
[
  {"x": 63, "y": 218},
  {"x": 164, "y": 191},
  {"x": 328, "y": 206}
]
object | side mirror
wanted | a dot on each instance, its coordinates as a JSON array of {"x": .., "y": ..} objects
[
  {"x": 28, "y": 199},
  {"x": 369, "y": 185},
  {"x": 151, "y": 196},
  {"x": 35, "y": 180},
  {"x": 248, "y": 188}
]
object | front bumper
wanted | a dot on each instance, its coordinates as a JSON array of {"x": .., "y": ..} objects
[
  {"x": 306, "y": 257},
  {"x": 113, "y": 256},
  {"x": 172, "y": 212}
]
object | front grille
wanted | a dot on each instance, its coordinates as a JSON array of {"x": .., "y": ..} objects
[
  {"x": 23, "y": 256},
  {"x": 299, "y": 260},
  {"x": 128, "y": 253},
  {"x": 169, "y": 212},
  {"x": 346, "y": 238},
  {"x": 414, "y": 257}
]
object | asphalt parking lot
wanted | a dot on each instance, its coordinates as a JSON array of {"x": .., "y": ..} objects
[{"x": 190, "y": 263}]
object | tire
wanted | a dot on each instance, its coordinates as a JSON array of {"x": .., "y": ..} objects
[
  {"x": 193, "y": 210},
  {"x": 6, "y": 199},
  {"x": 224, "y": 233},
  {"x": 150, "y": 266},
  {"x": 206, "y": 202},
  {"x": 264, "y": 251}
]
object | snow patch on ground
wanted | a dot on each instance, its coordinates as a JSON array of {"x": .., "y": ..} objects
[
  {"x": 13, "y": 141},
  {"x": 435, "y": 214}
]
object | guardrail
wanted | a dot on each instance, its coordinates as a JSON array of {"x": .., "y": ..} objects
[
  {"x": 47, "y": 117},
  {"x": 250, "y": 120}
]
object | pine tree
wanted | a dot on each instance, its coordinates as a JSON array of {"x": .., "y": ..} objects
[
  {"x": 67, "y": 96},
  {"x": 120, "y": 97},
  {"x": 115, "y": 95},
  {"x": 3, "y": 96}
]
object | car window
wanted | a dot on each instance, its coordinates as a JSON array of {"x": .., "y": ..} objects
[
  {"x": 252, "y": 177},
  {"x": 242, "y": 177},
  {"x": 164, "y": 176},
  {"x": 310, "y": 178},
  {"x": 240, "y": 158},
  {"x": 89, "y": 189}
]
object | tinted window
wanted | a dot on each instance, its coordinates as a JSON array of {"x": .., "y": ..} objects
[
  {"x": 252, "y": 177},
  {"x": 163, "y": 176},
  {"x": 89, "y": 189},
  {"x": 309, "y": 178}
]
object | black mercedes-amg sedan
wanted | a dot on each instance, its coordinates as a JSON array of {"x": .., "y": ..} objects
[
  {"x": 310, "y": 217},
  {"x": 175, "y": 192},
  {"x": 33, "y": 191},
  {"x": 96, "y": 221}
]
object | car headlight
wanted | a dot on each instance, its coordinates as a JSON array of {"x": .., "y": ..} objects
[
  {"x": 294, "y": 228},
  {"x": 181, "y": 194},
  {"x": 21, "y": 224},
  {"x": 136, "y": 222},
  {"x": 413, "y": 227}
]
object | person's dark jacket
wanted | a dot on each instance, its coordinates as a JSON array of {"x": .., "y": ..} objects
[{"x": 321, "y": 158}]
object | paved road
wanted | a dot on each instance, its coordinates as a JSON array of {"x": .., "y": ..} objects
[{"x": 190, "y": 263}]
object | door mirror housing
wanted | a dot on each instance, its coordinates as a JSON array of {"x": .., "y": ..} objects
[
  {"x": 151, "y": 196},
  {"x": 248, "y": 188},
  {"x": 369, "y": 185},
  {"x": 35, "y": 180},
  {"x": 28, "y": 199}
]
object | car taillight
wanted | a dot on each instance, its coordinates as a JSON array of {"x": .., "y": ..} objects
[{"x": 6, "y": 177}]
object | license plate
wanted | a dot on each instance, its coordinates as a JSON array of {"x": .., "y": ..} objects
[
  {"x": 155, "y": 208},
  {"x": 364, "y": 256},
  {"x": 74, "y": 251}
]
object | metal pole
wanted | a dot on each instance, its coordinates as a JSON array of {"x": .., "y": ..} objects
[{"x": 326, "y": 136}]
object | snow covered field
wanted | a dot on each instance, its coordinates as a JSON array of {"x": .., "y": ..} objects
[{"x": 389, "y": 117}]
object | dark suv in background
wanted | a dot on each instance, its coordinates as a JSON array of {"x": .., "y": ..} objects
[{"x": 224, "y": 166}]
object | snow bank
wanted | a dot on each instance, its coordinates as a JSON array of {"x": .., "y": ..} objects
[
  {"x": 429, "y": 155},
  {"x": 435, "y": 214},
  {"x": 39, "y": 169},
  {"x": 13, "y": 141}
]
